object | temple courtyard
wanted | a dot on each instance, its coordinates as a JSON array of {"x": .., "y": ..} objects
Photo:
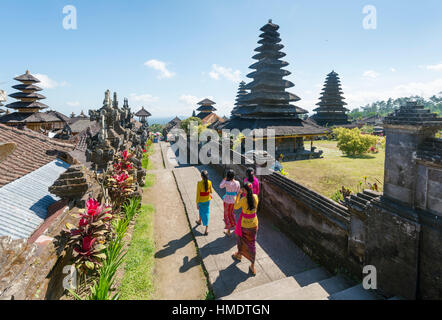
[{"x": 334, "y": 170}]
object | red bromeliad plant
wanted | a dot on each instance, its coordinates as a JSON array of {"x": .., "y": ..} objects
[{"x": 88, "y": 237}]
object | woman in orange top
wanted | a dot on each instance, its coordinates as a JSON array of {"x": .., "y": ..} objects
[
  {"x": 247, "y": 226},
  {"x": 203, "y": 197}
]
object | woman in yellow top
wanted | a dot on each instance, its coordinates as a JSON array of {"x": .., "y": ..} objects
[
  {"x": 203, "y": 197},
  {"x": 247, "y": 225}
]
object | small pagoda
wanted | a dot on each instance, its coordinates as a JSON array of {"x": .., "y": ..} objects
[
  {"x": 143, "y": 114},
  {"x": 206, "y": 108},
  {"x": 241, "y": 92},
  {"x": 268, "y": 105},
  {"x": 331, "y": 110},
  {"x": 29, "y": 106}
]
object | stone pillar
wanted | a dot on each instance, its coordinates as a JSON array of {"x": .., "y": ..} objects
[{"x": 393, "y": 224}]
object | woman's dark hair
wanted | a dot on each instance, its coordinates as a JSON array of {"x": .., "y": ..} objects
[
  {"x": 230, "y": 175},
  {"x": 250, "y": 197},
  {"x": 250, "y": 175},
  {"x": 205, "y": 176}
]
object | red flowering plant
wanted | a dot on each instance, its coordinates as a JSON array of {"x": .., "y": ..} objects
[
  {"x": 123, "y": 163},
  {"x": 120, "y": 186},
  {"x": 87, "y": 239}
]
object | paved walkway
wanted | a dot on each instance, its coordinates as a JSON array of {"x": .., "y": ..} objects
[
  {"x": 277, "y": 256},
  {"x": 173, "y": 240}
]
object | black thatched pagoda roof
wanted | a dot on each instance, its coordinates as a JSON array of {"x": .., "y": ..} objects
[
  {"x": 27, "y": 87},
  {"x": 26, "y": 117},
  {"x": 241, "y": 92},
  {"x": 27, "y": 78},
  {"x": 30, "y": 95},
  {"x": 331, "y": 110},
  {"x": 27, "y": 105},
  {"x": 267, "y": 105},
  {"x": 143, "y": 113},
  {"x": 206, "y": 102}
]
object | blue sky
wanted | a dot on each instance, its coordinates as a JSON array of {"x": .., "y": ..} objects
[{"x": 167, "y": 55}]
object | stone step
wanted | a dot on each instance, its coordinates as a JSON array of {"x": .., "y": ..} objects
[
  {"x": 284, "y": 285},
  {"x": 263, "y": 291},
  {"x": 316, "y": 291},
  {"x": 354, "y": 293},
  {"x": 311, "y": 276}
]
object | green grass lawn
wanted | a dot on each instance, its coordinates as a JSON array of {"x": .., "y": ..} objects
[
  {"x": 334, "y": 170},
  {"x": 137, "y": 283}
]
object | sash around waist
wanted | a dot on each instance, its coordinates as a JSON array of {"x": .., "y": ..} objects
[
  {"x": 249, "y": 216},
  {"x": 204, "y": 194},
  {"x": 230, "y": 193}
]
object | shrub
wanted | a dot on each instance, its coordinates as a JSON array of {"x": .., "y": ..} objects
[{"x": 352, "y": 142}]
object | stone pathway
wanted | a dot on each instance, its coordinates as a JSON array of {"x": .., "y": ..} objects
[
  {"x": 283, "y": 270},
  {"x": 175, "y": 277}
]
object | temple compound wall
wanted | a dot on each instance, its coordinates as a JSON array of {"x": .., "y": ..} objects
[{"x": 398, "y": 232}]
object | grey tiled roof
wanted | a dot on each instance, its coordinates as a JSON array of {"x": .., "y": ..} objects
[{"x": 24, "y": 202}]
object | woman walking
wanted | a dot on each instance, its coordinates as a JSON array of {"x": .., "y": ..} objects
[
  {"x": 232, "y": 188},
  {"x": 253, "y": 180},
  {"x": 247, "y": 226},
  {"x": 203, "y": 197}
]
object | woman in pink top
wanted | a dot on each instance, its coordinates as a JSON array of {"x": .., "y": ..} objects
[
  {"x": 253, "y": 180},
  {"x": 232, "y": 188}
]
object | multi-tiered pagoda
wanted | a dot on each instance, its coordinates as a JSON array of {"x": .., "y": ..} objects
[
  {"x": 268, "y": 105},
  {"x": 207, "y": 114},
  {"x": 206, "y": 108},
  {"x": 331, "y": 110},
  {"x": 28, "y": 107},
  {"x": 241, "y": 92}
]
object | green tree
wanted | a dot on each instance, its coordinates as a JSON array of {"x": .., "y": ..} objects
[{"x": 185, "y": 124}]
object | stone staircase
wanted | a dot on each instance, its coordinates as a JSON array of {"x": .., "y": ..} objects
[{"x": 314, "y": 284}]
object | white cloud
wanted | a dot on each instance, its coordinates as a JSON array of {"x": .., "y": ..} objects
[
  {"x": 392, "y": 69},
  {"x": 434, "y": 67},
  {"x": 142, "y": 98},
  {"x": 227, "y": 73},
  {"x": 73, "y": 103},
  {"x": 48, "y": 83},
  {"x": 189, "y": 99},
  {"x": 214, "y": 75},
  {"x": 425, "y": 89},
  {"x": 161, "y": 67},
  {"x": 371, "y": 74}
]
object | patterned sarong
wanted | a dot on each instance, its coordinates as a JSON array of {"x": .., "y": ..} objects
[
  {"x": 247, "y": 243},
  {"x": 229, "y": 217}
]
